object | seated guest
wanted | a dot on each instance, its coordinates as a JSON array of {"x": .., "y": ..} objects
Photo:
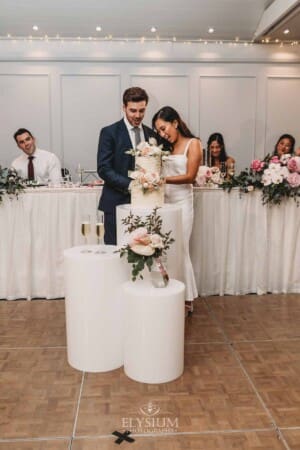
[
  {"x": 35, "y": 164},
  {"x": 285, "y": 145},
  {"x": 216, "y": 152}
]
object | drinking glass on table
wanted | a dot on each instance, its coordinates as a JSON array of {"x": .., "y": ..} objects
[
  {"x": 231, "y": 169},
  {"x": 85, "y": 230},
  {"x": 222, "y": 170},
  {"x": 100, "y": 230}
]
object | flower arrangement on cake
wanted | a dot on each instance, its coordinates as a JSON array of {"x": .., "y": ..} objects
[
  {"x": 278, "y": 178},
  {"x": 10, "y": 183},
  {"x": 147, "y": 174},
  {"x": 149, "y": 148},
  {"x": 146, "y": 243}
]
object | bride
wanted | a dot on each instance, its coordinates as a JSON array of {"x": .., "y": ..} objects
[{"x": 180, "y": 170}]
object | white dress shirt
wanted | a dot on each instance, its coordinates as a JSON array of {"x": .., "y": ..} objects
[
  {"x": 131, "y": 132},
  {"x": 46, "y": 166}
]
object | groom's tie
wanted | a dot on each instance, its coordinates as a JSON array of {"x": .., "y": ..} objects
[{"x": 137, "y": 134}]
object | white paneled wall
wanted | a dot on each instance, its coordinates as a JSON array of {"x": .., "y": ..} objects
[
  {"x": 227, "y": 105},
  {"x": 283, "y": 109},
  {"x": 25, "y": 102},
  {"x": 88, "y": 102},
  {"x": 66, "y": 102}
]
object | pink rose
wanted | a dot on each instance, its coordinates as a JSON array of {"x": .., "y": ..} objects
[
  {"x": 275, "y": 160},
  {"x": 257, "y": 165},
  {"x": 294, "y": 179},
  {"x": 139, "y": 236},
  {"x": 294, "y": 164}
]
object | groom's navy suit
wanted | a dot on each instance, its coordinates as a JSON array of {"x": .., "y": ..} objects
[{"x": 113, "y": 165}]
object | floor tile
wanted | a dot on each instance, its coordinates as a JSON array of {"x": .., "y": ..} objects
[
  {"x": 252, "y": 317},
  {"x": 231, "y": 441},
  {"x": 36, "y": 323},
  {"x": 56, "y": 444},
  {"x": 293, "y": 438},
  {"x": 213, "y": 393},
  {"x": 201, "y": 327},
  {"x": 274, "y": 368},
  {"x": 38, "y": 393}
]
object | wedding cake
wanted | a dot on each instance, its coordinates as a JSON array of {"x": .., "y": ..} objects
[{"x": 147, "y": 189}]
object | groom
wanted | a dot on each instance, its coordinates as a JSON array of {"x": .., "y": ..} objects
[{"x": 113, "y": 163}]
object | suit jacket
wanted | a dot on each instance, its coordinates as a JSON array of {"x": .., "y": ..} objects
[{"x": 113, "y": 164}]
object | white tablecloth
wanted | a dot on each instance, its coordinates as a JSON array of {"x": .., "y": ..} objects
[
  {"x": 34, "y": 230},
  {"x": 239, "y": 246}
]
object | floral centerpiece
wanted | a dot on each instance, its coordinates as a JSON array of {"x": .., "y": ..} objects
[
  {"x": 146, "y": 243},
  {"x": 278, "y": 178},
  {"x": 150, "y": 178},
  {"x": 208, "y": 177},
  {"x": 10, "y": 182}
]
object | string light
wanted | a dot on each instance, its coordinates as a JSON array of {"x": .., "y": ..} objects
[{"x": 235, "y": 42}]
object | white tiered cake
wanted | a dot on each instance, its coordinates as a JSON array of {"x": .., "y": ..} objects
[{"x": 147, "y": 188}]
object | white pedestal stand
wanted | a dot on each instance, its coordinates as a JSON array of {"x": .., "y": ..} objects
[
  {"x": 154, "y": 334},
  {"x": 95, "y": 308}
]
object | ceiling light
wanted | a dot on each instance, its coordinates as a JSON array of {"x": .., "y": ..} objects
[
  {"x": 153, "y": 29},
  {"x": 98, "y": 28},
  {"x": 35, "y": 28},
  {"x": 286, "y": 31},
  {"x": 211, "y": 30}
]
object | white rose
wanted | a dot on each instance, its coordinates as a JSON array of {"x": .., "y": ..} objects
[
  {"x": 152, "y": 141},
  {"x": 156, "y": 241}
]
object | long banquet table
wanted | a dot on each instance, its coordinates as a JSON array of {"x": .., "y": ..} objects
[
  {"x": 238, "y": 246},
  {"x": 35, "y": 228}
]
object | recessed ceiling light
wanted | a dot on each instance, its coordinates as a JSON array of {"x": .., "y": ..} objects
[
  {"x": 153, "y": 29},
  {"x": 211, "y": 30},
  {"x": 98, "y": 28},
  {"x": 35, "y": 27},
  {"x": 286, "y": 31}
]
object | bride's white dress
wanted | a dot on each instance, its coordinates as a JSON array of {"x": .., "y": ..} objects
[{"x": 182, "y": 194}]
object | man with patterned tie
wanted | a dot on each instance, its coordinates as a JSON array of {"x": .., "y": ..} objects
[
  {"x": 113, "y": 163},
  {"x": 35, "y": 164}
]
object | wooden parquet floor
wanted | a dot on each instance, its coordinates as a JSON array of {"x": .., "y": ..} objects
[{"x": 240, "y": 388}]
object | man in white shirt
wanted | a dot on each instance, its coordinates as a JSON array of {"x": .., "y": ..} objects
[{"x": 35, "y": 164}]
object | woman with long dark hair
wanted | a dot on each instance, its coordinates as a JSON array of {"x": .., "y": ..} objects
[
  {"x": 285, "y": 145},
  {"x": 216, "y": 152},
  {"x": 180, "y": 170}
]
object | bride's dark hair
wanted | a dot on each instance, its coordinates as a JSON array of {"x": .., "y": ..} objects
[{"x": 169, "y": 114}]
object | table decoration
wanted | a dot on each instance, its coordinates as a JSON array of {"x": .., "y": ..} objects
[
  {"x": 146, "y": 246},
  {"x": 10, "y": 183},
  {"x": 277, "y": 178}
]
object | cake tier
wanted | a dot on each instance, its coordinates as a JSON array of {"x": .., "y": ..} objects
[
  {"x": 147, "y": 199},
  {"x": 150, "y": 164}
]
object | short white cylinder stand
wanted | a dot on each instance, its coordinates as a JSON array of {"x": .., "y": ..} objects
[
  {"x": 95, "y": 308},
  {"x": 154, "y": 334}
]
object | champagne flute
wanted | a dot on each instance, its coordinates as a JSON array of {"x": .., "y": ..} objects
[
  {"x": 231, "y": 169},
  {"x": 85, "y": 230},
  {"x": 222, "y": 170},
  {"x": 100, "y": 230}
]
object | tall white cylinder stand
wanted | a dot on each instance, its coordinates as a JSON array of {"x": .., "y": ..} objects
[
  {"x": 171, "y": 220},
  {"x": 154, "y": 333},
  {"x": 94, "y": 307}
]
